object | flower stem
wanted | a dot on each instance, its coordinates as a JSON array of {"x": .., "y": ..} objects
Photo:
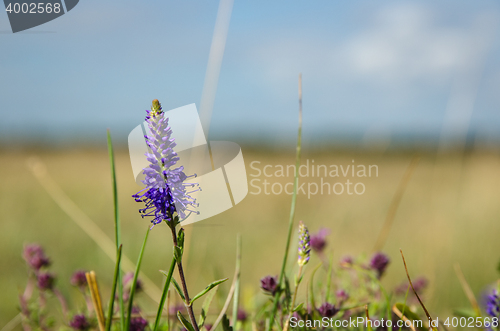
[
  {"x": 294, "y": 298},
  {"x": 292, "y": 213},
  {"x": 187, "y": 303}
]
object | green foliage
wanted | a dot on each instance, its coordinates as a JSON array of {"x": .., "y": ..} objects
[
  {"x": 226, "y": 326},
  {"x": 185, "y": 322},
  {"x": 205, "y": 307},
  {"x": 207, "y": 289}
]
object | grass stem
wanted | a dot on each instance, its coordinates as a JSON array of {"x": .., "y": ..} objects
[{"x": 292, "y": 211}]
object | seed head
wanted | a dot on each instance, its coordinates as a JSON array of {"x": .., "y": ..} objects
[{"x": 304, "y": 245}]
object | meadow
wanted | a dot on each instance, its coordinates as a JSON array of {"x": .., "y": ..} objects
[{"x": 449, "y": 214}]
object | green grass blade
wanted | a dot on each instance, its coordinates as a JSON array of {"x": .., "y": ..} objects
[
  {"x": 134, "y": 281},
  {"x": 236, "y": 297},
  {"x": 311, "y": 286},
  {"x": 117, "y": 225},
  {"x": 113, "y": 289},
  {"x": 329, "y": 280},
  {"x": 164, "y": 294},
  {"x": 292, "y": 208}
]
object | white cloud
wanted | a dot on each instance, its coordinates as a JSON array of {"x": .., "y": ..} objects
[{"x": 408, "y": 43}]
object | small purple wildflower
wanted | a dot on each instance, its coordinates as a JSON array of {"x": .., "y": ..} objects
[
  {"x": 138, "y": 324},
  {"x": 45, "y": 281},
  {"x": 78, "y": 279},
  {"x": 128, "y": 278},
  {"x": 208, "y": 326},
  {"x": 304, "y": 245},
  {"x": 80, "y": 322},
  {"x": 419, "y": 284},
  {"x": 342, "y": 296},
  {"x": 346, "y": 261},
  {"x": 242, "y": 315},
  {"x": 318, "y": 240},
  {"x": 379, "y": 263},
  {"x": 165, "y": 191},
  {"x": 493, "y": 304},
  {"x": 172, "y": 310},
  {"x": 269, "y": 284},
  {"x": 327, "y": 310},
  {"x": 35, "y": 257}
]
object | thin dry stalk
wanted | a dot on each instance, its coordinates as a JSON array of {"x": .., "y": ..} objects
[
  {"x": 393, "y": 208},
  {"x": 96, "y": 299},
  {"x": 415, "y": 292},
  {"x": 467, "y": 290}
]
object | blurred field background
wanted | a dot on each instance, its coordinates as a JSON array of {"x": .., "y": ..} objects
[
  {"x": 448, "y": 214},
  {"x": 383, "y": 82}
]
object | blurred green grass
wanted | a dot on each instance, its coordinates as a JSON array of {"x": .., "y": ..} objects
[{"x": 448, "y": 214}]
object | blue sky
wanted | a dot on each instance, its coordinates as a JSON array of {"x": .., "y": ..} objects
[{"x": 371, "y": 69}]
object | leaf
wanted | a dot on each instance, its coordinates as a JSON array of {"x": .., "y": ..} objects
[
  {"x": 185, "y": 322},
  {"x": 299, "y": 307},
  {"x": 178, "y": 254},
  {"x": 404, "y": 313},
  {"x": 464, "y": 313},
  {"x": 205, "y": 307},
  {"x": 178, "y": 289},
  {"x": 225, "y": 324},
  {"x": 311, "y": 286},
  {"x": 208, "y": 288}
]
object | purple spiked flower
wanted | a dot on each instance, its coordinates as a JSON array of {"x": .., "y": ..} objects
[
  {"x": 78, "y": 279},
  {"x": 327, "y": 310},
  {"x": 165, "y": 191},
  {"x": 80, "y": 322},
  {"x": 304, "y": 245},
  {"x": 138, "y": 324},
  {"x": 493, "y": 304},
  {"x": 269, "y": 284},
  {"x": 45, "y": 281},
  {"x": 35, "y": 257},
  {"x": 379, "y": 263},
  {"x": 318, "y": 240}
]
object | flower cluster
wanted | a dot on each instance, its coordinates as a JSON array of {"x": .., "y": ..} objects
[
  {"x": 493, "y": 304},
  {"x": 318, "y": 240},
  {"x": 165, "y": 193},
  {"x": 304, "y": 245},
  {"x": 269, "y": 284},
  {"x": 379, "y": 263}
]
